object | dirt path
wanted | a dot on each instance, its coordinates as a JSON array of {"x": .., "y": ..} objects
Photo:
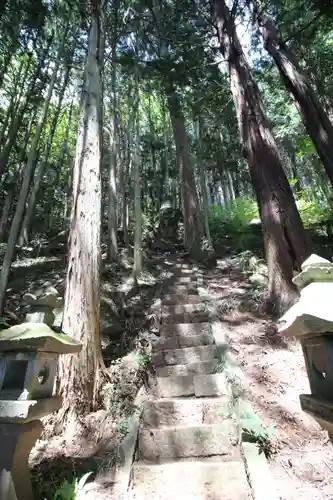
[{"x": 275, "y": 375}]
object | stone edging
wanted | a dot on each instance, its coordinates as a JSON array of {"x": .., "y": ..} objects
[
  {"x": 127, "y": 447},
  {"x": 258, "y": 473}
]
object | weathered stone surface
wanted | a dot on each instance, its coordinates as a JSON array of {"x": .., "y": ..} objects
[
  {"x": 312, "y": 274},
  {"x": 197, "y": 368},
  {"x": 180, "y": 298},
  {"x": 185, "y": 329},
  {"x": 210, "y": 385},
  {"x": 27, "y": 411},
  {"x": 176, "y": 342},
  {"x": 38, "y": 337},
  {"x": 186, "y": 317},
  {"x": 183, "y": 309},
  {"x": 174, "y": 386},
  {"x": 27, "y": 375},
  {"x": 182, "y": 442},
  {"x": 312, "y": 314},
  {"x": 315, "y": 260},
  {"x": 258, "y": 473},
  {"x": 190, "y": 355},
  {"x": 191, "y": 480},
  {"x": 44, "y": 315},
  {"x": 195, "y": 411},
  {"x": 219, "y": 333},
  {"x": 16, "y": 443}
]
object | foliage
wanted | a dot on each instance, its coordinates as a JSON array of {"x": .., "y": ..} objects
[
  {"x": 70, "y": 490},
  {"x": 254, "y": 431}
]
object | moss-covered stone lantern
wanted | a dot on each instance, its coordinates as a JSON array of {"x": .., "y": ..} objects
[{"x": 28, "y": 362}]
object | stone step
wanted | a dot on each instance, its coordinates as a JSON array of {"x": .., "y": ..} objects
[
  {"x": 178, "y": 341},
  {"x": 176, "y": 386},
  {"x": 190, "y": 355},
  {"x": 172, "y": 412},
  {"x": 186, "y": 317},
  {"x": 184, "y": 309},
  {"x": 175, "y": 288},
  {"x": 200, "y": 368},
  {"x": 180, "y": 298},
  {"x": 188, "y": 441},
  {"x": 191, "y": 480},
  {"x": 185, "y": 329},
  {"x": 185, "y": 279}
]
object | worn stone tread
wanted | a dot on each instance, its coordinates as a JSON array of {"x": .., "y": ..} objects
[
  {"x": 211, "y": 385},
  {"x": 190, "y": 355},
  {"x": 191, "y": 480},
  {"x": 196, "y": 368},
  {"x": 172, "y": 299},
  {"x": 174, "y": 386},
  {"x": 185, "y": 329},
  {"x": 190, "y": 411},
  {"x": 188, "y": 441},
  {"x": 186, "y": 317},
  {"x": 177, "y": 341}
]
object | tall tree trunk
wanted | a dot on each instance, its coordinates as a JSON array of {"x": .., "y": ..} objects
[
  {"x": 26, "y": 182},
  {"x": 286, "y": 243},
  {"x": 112, "y": 202},
  {"x": 203, "y": 184},
  {"x": 78, "y": 376},
  {"x": 315, "y": 120},
  {"x": 192, "y": 217},
  {"x": 137, "y": 267},
  {"x": 24, "y": 236}
]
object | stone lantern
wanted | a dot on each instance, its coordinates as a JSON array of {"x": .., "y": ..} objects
[
  {"x": 28, "y": 362},
  {"x": 311, "y": 321}
]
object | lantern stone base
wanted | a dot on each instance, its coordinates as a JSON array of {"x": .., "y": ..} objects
[
  {"x": 319, "y": 409},
  {"x": 17, "y": 441}
]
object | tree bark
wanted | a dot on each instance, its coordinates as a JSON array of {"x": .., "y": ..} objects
[
  {"x": 78, "y": 376},
  {"x": 137, "y": 267},
  {"x": 286, "y": 243},
  {"x": 313, "y": 115},
  {"x": 192, "y": 217},
  {"x": 112, "y": 204},
  {"x": 203, "y": 184}
]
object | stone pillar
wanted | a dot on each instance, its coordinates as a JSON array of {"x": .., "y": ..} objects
[{"x": 311, "y": 321}]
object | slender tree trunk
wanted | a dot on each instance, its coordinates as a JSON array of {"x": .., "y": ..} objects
[
  {"x": 78, "y": 376},
  {"x": 203, "y": 185},
  {"x": 315, "y": 120},
  {"x": 191, "y": 212},
  {"x": 26, "y": 182},
  {"x": 112, "y": 204},
  {"x": 16, "y": 123},
  {"x": 24, "y": 236},
  {"x": 137, "y": 267},
  {"x": 286, "y": 243},
  {"x": 6, "y": 209}
]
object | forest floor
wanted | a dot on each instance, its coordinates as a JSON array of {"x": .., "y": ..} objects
[{"x": 274, "y": 375}]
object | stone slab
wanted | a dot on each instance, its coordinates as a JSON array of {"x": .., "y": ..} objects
[
  {"x": 185, "y": 329},
  {"x": 191, "y": 480},
  {"x": 188, "y": 441},
  {"x": 181, "y": 288},
  {"x": 258, "y": 473},
  {"x": 196, "y": 368},
  {"x": 187, "y": 317},
  {"x": 27, "y": 411},
  {"x": 37, "y": 337},
  {"x": 172, "y": 412},
  {"x": 180, "y": 298},
  {"x": 177, "y": 341},
  {"x": 211, "y": 385},
  {"x": 183, "y": 309},
  {"x": 174, "y": 386},
  {"x": 190, "y": 355}
]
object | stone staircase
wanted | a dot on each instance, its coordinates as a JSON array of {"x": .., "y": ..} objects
[{"x": 189, "y": 439}]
